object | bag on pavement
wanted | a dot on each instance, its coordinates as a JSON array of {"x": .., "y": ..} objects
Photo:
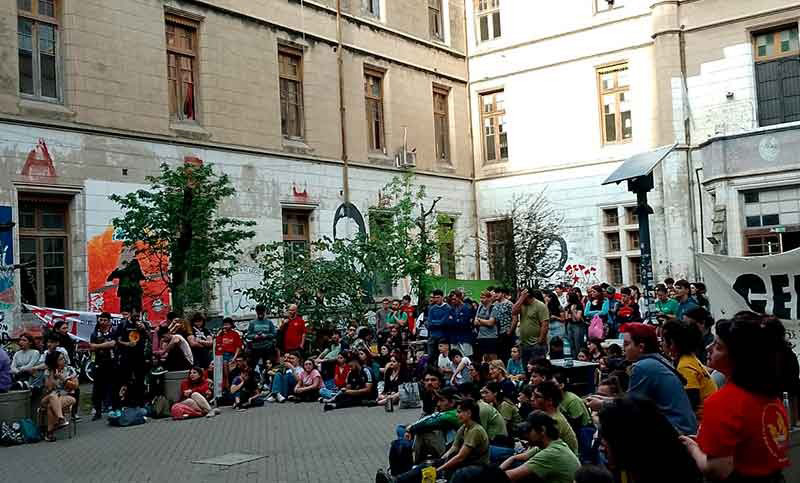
[
  {"x": 160, "y": 407},
  {"x": 409, "y": 395},
  {"x": 183, "y": 411},
  {"x": 127, "y": 417},
  {"x": 11, "y": 434},
  {"x": 401, "y": 456},
  {"x": 596, "y": 328},
  {"x": 30, "y": 431}
]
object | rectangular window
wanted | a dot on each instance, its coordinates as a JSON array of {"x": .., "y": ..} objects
[
  {"x": 295, "y": 234},
  {"x": 182, "y": 63},
  {"x": 441, "y": 126},
  {"x": 488, "y": 17},
  {"x": 633, "y": 240},
  {"x": 612, "y": 242},
  {"x": 614, "y": 271},
  {"x": 495, "y": 136},
  {"x": 611, "y": 217},
  {"x": 373, "y": 96},
  {"x": 290, "y": 76},
  {"x": 606, "y": 5},
  {"x": 500, "y": 241},
  {"x": 636, "y": 270},
  {"x": 43, "y": 236},
  {"x": 615, "y": 108},
  {"x": 435, "y": 19},
  {"x": 447, "y": 247},
  {"x": 38, "y": 49},
  {"x": 760, "y": 244},
  {"x": 631, "y": 215},
  {"x": 372, "y": 7},
  {"x": 777, "y": 65}
]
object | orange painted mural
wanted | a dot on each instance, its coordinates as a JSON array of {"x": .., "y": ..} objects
[{"x": 119, "y": 278}]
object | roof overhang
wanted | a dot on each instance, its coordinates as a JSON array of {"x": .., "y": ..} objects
[{"x": 639, "y": 165}]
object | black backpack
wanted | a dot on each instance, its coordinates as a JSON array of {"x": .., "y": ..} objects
[{"x": 401, "y": 456}]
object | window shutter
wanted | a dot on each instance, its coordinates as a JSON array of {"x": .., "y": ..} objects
[{"x": 778, "y": 91}]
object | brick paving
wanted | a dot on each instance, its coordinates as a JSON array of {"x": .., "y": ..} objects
[{"x": 300, "y": 442}]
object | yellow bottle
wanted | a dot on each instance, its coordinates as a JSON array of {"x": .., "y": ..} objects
[{"x": 429, "y": 475}]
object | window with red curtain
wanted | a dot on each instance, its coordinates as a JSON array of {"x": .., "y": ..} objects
[{"x": 182, "y": 67}]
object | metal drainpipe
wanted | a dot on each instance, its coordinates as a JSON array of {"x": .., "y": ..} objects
[
  {"x": 342, "y": 110},
  {"x": 475, "y": 205},
  {"x": 687, "y": 132}
]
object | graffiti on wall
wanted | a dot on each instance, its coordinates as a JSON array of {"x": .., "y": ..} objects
[
  {"x": 7, "y": 273},
  {"x": 232, "y": 290},
  {"x": 120, "y": 278}
]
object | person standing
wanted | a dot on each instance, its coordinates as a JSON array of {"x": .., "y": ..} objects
[
  {"x": 409, "y": 311},
  {"x": 294, "y": 339},
  {"x": 102, "y": 343},
  {"x": 201, "y": 342},
  {"x": 487, "y": 329},
  {"x": 397, "y": 317},
  {"x": 533, "y": 318},
  {"x": 665, "y": 305},
  {"x": 132, "y": 337},
  {"x": 501, "y": 313},
  {"x": 381, "y": 315},
  {"x": 460, "y": 335},
  {"x": 685, "y": 301},
  {"x": 261, "y": 339},
  {"x": 65, "y": 340},
  {"x": 439, "y": 320}
]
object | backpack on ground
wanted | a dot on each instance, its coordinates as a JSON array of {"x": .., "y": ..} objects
[
  {"x": 11, "y": 434},
  {"x": 30, "y": 431},
  {"x": 160, "y": 407},
  {"x": 401, "y": 456},
  {"x": 409, "y": 395},
  {"x": 127, "y": 417}
]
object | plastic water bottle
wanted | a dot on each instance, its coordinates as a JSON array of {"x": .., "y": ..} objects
[{"x": 567, "y": 354}]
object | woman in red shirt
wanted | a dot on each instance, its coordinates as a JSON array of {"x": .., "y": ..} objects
[
  {"x": 196, "y": 391},
  {"x": 744, "y": 436}
]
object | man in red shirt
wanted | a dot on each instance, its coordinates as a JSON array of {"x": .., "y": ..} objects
[
  {"x": 294, "y": 328},
  {"x": 409, "y": 310}
]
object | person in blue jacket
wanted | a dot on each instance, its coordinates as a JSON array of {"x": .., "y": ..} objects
[
  {"x": 460, "y": 333},
  {"x": 440, "y": 318}
]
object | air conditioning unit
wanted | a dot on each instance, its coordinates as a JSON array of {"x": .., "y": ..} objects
[{"x": 406, "y": 159}]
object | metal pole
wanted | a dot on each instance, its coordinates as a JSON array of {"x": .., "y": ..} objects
[
  {"x": 342, "y": 111},
  {"x": 646, "y": 260}
]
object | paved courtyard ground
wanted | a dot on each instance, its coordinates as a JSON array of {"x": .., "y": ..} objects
[{"x": 300, "y": 444}]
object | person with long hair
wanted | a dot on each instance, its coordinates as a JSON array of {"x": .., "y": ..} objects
[
  {"x": 498, "y": 374},
  {"x": 596, "y": 305},
  {"x": 309, "y": 382},
  {"x": 24, "y": 362},
  {"x": 624, "y": 422},
  {"x": 492, "y": 394},
  {"x": 745, "y": 432},
  {"x": 577, "y": 326},
  {"x": 681, "y": 340},
  {"x": 394, "y": 374},
  {"x": 557, "y": 328},
  {"x": 60, "y": 382},
  {"x": 196, "y": 392}
]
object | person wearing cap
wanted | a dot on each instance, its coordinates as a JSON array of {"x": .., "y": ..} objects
[
  {"x": 431, "y": 433},
  {"x": 551, "y": 460},
  {"x": 653, "y": 377}
]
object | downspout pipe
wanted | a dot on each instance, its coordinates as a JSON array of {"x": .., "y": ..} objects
[
  {"x": 342, "y": 110},
  {"x": 475, "y": 202},
  {"x": 687, "y": 133}
]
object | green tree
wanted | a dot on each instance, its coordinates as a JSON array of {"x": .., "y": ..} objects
[{"x": 175, "y": 224}]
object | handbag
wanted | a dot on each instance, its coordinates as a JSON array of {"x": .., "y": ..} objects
[
  {"x": 409, "y": 395},
  {"x": 596, "y": 327},
  {"x": 30, "y": 431},
  {"x": 11, "y": 434}
]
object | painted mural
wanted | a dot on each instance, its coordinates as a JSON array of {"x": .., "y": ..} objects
[
  {"x": 119, "y": 277},
  {"x": 233, "y": 299},
  {"x": 7, "y": 279}
]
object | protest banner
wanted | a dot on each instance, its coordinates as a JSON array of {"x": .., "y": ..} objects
[
  {"x": 79, "y": 324},
  {"x": 767, "y": 285}
]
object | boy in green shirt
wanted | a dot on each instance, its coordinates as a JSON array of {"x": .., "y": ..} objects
[{"x": 551, "y": 460}]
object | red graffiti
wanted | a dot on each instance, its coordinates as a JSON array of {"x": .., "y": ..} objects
[{"x": 39, "y": 162}]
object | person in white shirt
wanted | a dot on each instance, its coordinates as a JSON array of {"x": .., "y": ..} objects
[
  {"x": 444, "y": 363},
  {"x": 24, "y": 362}
]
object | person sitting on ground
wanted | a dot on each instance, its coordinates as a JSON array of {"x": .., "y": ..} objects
[
  {"x": 498, "y": 374},
  {"x": 653, "y": 377},
  {"x": 327, "y": 358},
  {"x": 470, "y": 448},
  {"x": 492, "y": 394},
  {"x": 25, "y": 360},
  {"x": 245, "y": 386},
  {"x": 514, "y": 365},
  {"x": 578, "y": 416},
  {"x": 360, "y": 387},
  {"x": 395, "y": 340},
  {"x": 367, "y": 362},
  {"x": 461, "y": 365},
  {"x": 541, "y": 370},
  {"x": 662, "y": 460},
  {"x": 309, "y": 382},
  {"x": 556, "y": 348},
  {"x": 176, "y": 354},
  {"x": 490, "y": 418},
  {"x": 196, "y": 392},
  {"x": 680, "y": 340},
  {"x": 383, "y": 356},
  {"x": 583, "y": 355},
  {"x": 361, "y": 342},
  {"x": 479, "y": 374},
  {"x": 551, "y": 460},
  {"x": 614, "y": 360},
  {"x": 547, "y": 397},
  {"x": 60, "y": 383},
  {"x": 432, "y": 383},
  {"x": 745, "y": 435},
  {"x": 284, "y": 377},
  {"x": 201, "y": 342},
  {"x": 340, "y": 372},
  {"x": 525, "y": 400},
  {"x": 596, "y": 349},
  {"x": 610, "y": 387},
  {"x": 431, "y": 433},
  {"x": 393, "y": 375}
]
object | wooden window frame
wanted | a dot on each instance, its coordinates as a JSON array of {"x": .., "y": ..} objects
[
  {"x": 495, "y": 246},
  {"x": 609, "y": 236},
  {"x": 447, "y": 250},
  {"x": 630, "y": 235},
  {"x": 776, "y": 31},
  {"x": 194, "y": 26},
  {"x": 441, "y": 150},
  {"x": 36, "y": 20},
  {"x": 496, "y": 114},
  {"x": 288, "y": 238},
  {"x": 297, "y": 53},
  {"x": 634, "y": 272},
  {"x": 487, "y": 9},
  {"x": 39, "y": 233},
  {"x": 750, "y": 234},
  {"x": 435, "y": 20},
  {"x": 373, "y": 147},
  {"x": 606, "y": 212},
  {"x": 621, "y": 280},
  {"x": 615, "y": 91}
]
